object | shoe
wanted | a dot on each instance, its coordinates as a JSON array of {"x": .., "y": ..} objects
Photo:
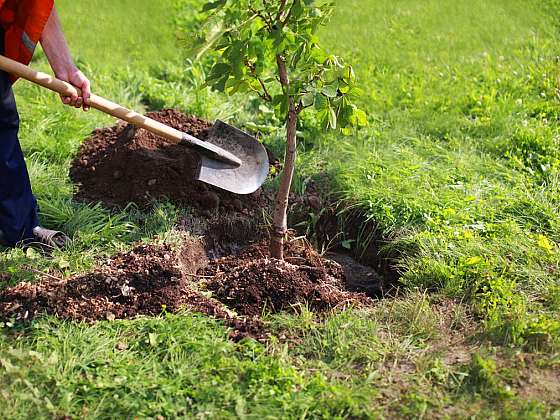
[{"x": 50, "y": 238}]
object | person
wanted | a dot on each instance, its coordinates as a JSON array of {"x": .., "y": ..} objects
[{"x": 24, "y": 23}]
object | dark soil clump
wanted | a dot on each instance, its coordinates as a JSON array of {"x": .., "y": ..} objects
[
  {"x": 252, "y": 282},
  {"x": 121, "y": 164}
]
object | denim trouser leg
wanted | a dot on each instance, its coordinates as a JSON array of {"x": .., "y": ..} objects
[{"x": 18, "y": 207}]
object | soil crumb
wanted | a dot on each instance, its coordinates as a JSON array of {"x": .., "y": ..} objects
[{"x": 121, "y": 164}]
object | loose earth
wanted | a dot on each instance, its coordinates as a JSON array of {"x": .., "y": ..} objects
[
  {"x": 151, "y": 279},
  {"x": 120, "y": 165},
  {"x": 226, "y": 272}
]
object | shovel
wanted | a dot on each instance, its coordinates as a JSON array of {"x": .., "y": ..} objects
[{"x": 229, "y": 159}]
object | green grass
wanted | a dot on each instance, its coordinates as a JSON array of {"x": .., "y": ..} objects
[
  {"x": 460, "y": 166},
  {"x": 123, "y": 34},
  {"x": 458, "y": 169}
]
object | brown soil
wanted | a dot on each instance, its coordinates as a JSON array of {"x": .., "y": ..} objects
[
  {"x": 252, "y": 282},
  {"x": 151, "y": 278},
  {"x": 121, "y": 164},
  {"x": 144, "y": 281}
]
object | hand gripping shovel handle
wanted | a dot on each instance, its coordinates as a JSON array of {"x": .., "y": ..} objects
[{"x": 66, "y": 89}]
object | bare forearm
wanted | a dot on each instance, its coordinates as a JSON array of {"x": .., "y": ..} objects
[
  {"x": 57, "y": 52},
  {"x": 55, "y": 46}
]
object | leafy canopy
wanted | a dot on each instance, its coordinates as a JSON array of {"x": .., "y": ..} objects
[{"x": 250, "y": 37}]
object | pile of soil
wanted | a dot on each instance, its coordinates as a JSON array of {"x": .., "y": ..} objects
[
  {"x": 144, "y": 281},
  {"x": 121, "y": 164},
  {"x": 149, "y": 279},
  {"x": 252, "y": 282}
]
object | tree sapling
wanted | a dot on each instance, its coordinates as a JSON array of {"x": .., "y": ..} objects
[{"x": 271, "y": 48}]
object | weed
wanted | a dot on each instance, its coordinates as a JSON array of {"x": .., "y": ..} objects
[{"x": 484, "y": 379}]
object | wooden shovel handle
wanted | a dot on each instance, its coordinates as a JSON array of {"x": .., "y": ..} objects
[{"x": 66, "y": 89}]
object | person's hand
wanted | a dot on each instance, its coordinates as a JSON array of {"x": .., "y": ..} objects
[{"x": 77, "y": 79}]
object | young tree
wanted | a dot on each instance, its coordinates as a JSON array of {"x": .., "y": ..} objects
[{"x": 271, "y": 48}]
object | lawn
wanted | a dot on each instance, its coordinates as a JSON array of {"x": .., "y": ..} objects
[{"x": 456, "y": 180}]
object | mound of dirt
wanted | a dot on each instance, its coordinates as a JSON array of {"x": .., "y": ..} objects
[
  {"x": 150, "y": 279},
  {"x": 144, "y": 281},
  {"x": 252, "y": 282},
  {"x": 121, "y": 164}
]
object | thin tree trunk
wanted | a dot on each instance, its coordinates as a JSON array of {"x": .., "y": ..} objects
[{"x": 280, "y": 218}]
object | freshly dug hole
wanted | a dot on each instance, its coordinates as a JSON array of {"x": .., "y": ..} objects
[{"x": 121, "y": 164}]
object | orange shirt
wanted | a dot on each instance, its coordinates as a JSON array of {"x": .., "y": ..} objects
[{"x": 23, "y": 22}]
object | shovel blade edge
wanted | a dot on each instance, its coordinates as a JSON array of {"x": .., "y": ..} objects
[{"x": 243, "y": 179}]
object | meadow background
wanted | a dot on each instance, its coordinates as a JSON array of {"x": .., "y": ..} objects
[{"x": 458, "y": 173}]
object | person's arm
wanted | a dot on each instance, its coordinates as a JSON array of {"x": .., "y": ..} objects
[{"x": 58, "y": 54}]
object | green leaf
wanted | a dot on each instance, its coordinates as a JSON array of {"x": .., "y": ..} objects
[
  {"x": 320, "y": 102},
  {"x": 350, "y": 76},
  {"x": 330, "y": 90},
  {"x": 241, "y": 87},
  {"x": 278, "y": 99},
  {"x": 297, "y": 10},
  {"x": 231, "y": 83},
  {"x": 316, "y": 12},
  {"x": 308, "y": 99},
  {"x": 360, "y": 117},
  {"x": 219, "y": 71},
  {"x": 213, "y": 5},
  {"x": 344, "y": 87},
  {"x": 332, "y": 118},
  {"x": 220, "y": 85}
]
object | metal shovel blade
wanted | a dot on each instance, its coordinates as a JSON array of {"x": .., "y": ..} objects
[{"x": 240, "y": 179}]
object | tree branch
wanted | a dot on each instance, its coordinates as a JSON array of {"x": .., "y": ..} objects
[
  {"x": 265, "y": 95},
  {"x": 267, "y": 5},
  {"x": 283, "y": 73},
  {"x": 287, "y": 18},
  {"x": 268, "y": 22},
  {"x": 281, "y": 10},
  {"x": 300, "y": 107},
  {"x": 279, "y": 220}
]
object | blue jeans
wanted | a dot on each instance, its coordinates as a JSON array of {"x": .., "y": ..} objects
[{"x": 18, "y": 207}]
